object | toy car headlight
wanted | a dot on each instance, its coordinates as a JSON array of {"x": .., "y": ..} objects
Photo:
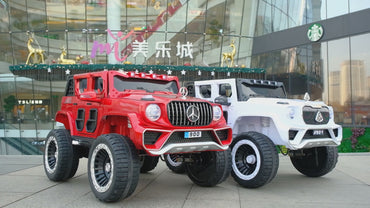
[
  {"x": 291, "y": 112},
  {"x": 153, "y": 112},
  {"x": 217, "y": 113}
]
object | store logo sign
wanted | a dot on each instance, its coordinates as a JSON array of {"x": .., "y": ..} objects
[
  {"x": 162, "y": 48},
  {"x": 315, "y": 32}
]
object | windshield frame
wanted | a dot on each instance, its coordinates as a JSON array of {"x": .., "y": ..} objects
[
  {"x": 123, "y": 84},
  {"x": 247, "y": 88}
]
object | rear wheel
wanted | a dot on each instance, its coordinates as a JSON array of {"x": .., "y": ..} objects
[
  {"x": 173, "y": 164},
  {"x": 315, "y": 162},
  {"x": 209, "y": 168},
  {"x": 148, "y": 163},
  {"x": 113, "y": 167},
  {"x": 60, "y": 160},
  {"x": 255, "y": 160}
]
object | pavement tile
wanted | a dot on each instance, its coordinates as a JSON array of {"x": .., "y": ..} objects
[{"x": 346, "y": 186}]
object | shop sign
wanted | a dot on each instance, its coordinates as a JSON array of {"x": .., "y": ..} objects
[
  {"x": 315, "y": 32},
  {"x": 162, "y": 48}
]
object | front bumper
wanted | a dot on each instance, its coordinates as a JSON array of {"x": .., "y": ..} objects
[
  {"x": 314, "y": 137},
  {"x": 158, "y": 141}
]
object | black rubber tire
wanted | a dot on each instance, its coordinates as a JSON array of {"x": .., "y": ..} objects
[
  {"x": 209, "y": 168},
  {"x": 113, "y": 167},
  {"x": 59, "y": 158},
  {"x": 172, "y": 164},
  {"x": 75, "y": 162},
  {"x": 316, "y": 161},
  {"x": 148, "y": 163},
  {"x": 255, "y": 159}
]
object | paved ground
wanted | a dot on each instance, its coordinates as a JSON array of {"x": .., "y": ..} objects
[{"x": 24, "y": 184}]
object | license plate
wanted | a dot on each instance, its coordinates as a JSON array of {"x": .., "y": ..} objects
[
  {"x": 318, "y": 132},
  {"x": 192, "y": 134}
]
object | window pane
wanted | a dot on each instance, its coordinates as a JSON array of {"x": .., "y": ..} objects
[
  {"x": 296, "y": 13},
  {"x": 56, "y": 16},
  {"x": 357, "y": 5},
  {"x": 6, "y": 50},
  {"x": 233, "y": 17},
  {"x": 18, "y": 19},
  {"x": 36, "y": 15},
  {"x": 4, "y": 17},
  {"x": 360, "y": 73},
  {"x": 20, "y": 47},
  {"x": 75, "y": 15},
  {"x": 96, "y": 15},
  {"x": 339, "y": 80},
  {"x": 215, "y": 25},
  {"x": 337, "y": 7},
  {"x": 316, "y": 10}
]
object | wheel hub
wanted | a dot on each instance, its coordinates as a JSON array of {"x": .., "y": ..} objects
[
  {"x": 251, "y": 159},
  {"x": 107, "y": 167}
]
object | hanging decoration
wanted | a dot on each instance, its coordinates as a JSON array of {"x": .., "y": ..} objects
[
  {"x": 59, "y": 72},
  {"x": 132, "y": 67}
]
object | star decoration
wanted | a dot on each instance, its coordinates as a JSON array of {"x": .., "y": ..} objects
[
  {"x": 199, "y": 73},
  {"x": 68, "y": 72},
  {"x": 151, "y": 72},
  {"x": 212, "y": 73},
  {"x": 136, "y": 71},
  {"x": 228, "y": 74},
  {"x": 183, "y": 72},
  {"x": 49, "y": 70},
  {"x": 169, "y": 72}
]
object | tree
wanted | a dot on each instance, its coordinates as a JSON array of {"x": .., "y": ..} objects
[{"x": 10, "y": 102}]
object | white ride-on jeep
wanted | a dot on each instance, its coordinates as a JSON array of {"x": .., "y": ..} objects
[{"x": 262, "y": 118}]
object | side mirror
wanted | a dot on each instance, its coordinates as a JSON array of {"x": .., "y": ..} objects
[
  {"x": 90, "y": 96},
  {"x": 222, "y": 100}
]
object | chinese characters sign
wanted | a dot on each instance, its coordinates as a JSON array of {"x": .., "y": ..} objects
[{"x": 162, "y": 48}]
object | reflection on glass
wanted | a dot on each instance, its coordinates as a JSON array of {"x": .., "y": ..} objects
[
  {"x": 75, "y": 15},
  {"x": 36, "y": 15},
  {"x": 4, "y": 17},
  {"x": 337, "y": 7},
  {"x": 18, "y": 21},
  {"x": 56, "y": 17},
  {"x": 96, "y": 16},
  {"x": 339, "y": 80},
  {"x": 316, "y": 10},
  {"x": 356, "y": 5},
  {"x": 360, "y": 74}
]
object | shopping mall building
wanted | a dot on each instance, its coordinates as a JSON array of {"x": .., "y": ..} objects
[{"x": 317, "y": 46}]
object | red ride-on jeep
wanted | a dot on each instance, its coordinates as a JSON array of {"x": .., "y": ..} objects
[{"x": 123, "y": 121}]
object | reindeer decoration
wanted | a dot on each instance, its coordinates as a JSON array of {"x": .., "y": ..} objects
[
  {"x": 35, "y": 55},
  {"x": 62, "y": 60},
  {"x": 230, "y": 55}
]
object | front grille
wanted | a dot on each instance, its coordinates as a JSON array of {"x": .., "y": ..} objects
[
  {"x": 310, "y": 135},
  {"x": 177, "y": 110},
  {"x": 311, "y": 115},
  {"x": 178, "y": 137}
]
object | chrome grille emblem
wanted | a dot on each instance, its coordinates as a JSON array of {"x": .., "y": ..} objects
[
  {"x": 319, "y": 118},
  {"x": 192, "y": 113}
]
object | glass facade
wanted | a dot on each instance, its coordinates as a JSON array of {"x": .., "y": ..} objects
[{"x": 336, "y": 71}]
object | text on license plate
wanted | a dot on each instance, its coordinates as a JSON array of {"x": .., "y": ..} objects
[
  {"x": 317, "y": 132},
  {"x": 192, "y": 134}
]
